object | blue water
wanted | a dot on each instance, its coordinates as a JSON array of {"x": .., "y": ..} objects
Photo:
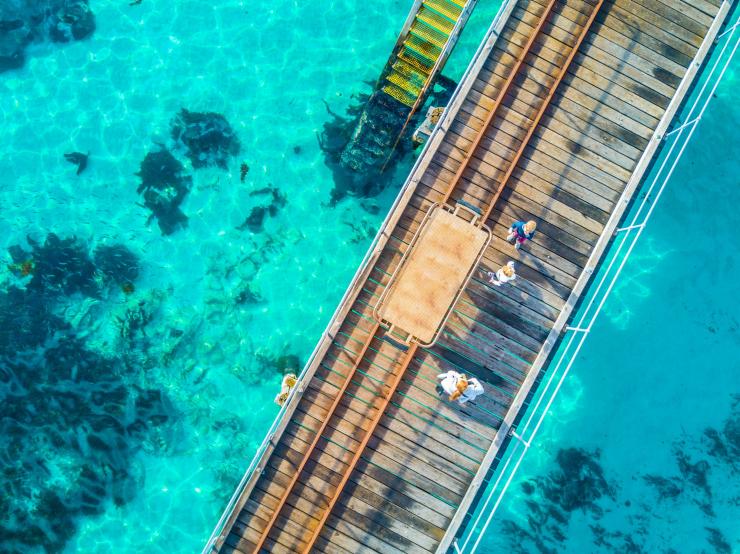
[
  {"x": 128, "y": 427},
  {"x": 640, "y": 452},
  {"x": 129, "y": 416}
]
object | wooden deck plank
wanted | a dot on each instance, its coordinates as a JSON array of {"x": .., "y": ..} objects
[{"x": 389, "y": 473}]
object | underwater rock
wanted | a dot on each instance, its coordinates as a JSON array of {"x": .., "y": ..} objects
[
  {"x": 207, "y": 138},
  {"x": 117, "y": 263},
  {"x": 256, "y": 218},
  {"x": 72, "y": 20},
  {"x": 79, "y": 159},
  {"x": 15, "y": 36},
  {"x": 59, "y": 266},
  {"x": 164, "y": 187},
  {"x": 22, "y": 23}
]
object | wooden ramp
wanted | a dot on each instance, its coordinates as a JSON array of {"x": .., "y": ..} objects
[{"x": 556, "y": 120}]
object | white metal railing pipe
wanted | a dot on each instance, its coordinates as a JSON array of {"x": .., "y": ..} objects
[
  {"x": 218, "y": 529},
  {"x": 678, "y": 132}
]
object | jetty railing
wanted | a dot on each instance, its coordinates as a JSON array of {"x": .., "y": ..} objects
[
  {"x": 413, "y": 176},
  {"x": 438, "y": 64},
  {"x": 523, "y": 435}
]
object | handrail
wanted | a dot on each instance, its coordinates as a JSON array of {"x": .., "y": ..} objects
[
  {"x": 317, "y": 437},
  {"x": 587, "y": 319},
  {"x": 441, "y": 60},
  {"x": 513, "y": 73},
  {"x": 410, "y": 182},
  {"x": 543, "y": 108},
  {"x": 391, "y": 388}
]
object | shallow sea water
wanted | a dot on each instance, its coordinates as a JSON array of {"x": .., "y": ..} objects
[
  {"x": 640, "y": 452},
  {"x": 268, "y": 67}
]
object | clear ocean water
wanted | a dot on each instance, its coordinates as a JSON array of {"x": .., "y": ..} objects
[
  {"x": 640, "y": 451},
  {"x": 128, "y": 427},
  {"x": 131, "y": 435}
]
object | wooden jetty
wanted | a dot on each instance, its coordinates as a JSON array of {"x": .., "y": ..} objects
[{"x": 557, "y": 119}]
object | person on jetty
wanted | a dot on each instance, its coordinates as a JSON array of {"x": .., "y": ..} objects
[
  {"x": 521, "y": 232},
  {"x": 289, "y": 381},
  {"x": 459, "y": 387},
  {"x": 503, "y": 275}
]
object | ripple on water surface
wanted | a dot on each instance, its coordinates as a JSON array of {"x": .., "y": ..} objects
[{"x": 219, "y": 308}]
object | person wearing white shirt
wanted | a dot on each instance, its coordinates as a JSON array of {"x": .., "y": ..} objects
[
  {"x": 459, "y": 387},
  {"x": 503, "y": 275},
  {"x": 449, "y": 381},
  {"x": 471, "y": 392}
]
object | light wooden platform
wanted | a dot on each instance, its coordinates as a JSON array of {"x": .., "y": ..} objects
[
  {"x": 369, "y": 458},
  {"x": 441, "y": 259}
]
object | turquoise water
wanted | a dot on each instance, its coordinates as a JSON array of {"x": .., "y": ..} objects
[
  {"x": 131, "y": 436},
  {"x": 640, "y": 451},
  {"x": 195, "y": 385}
]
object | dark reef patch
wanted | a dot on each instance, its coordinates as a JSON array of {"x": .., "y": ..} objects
[
  {"x": 359, "y": 147},
  {"x": 577, "y": 484},
  {"x": 164, "y": 187},
  {"x": 117, "y": 263},
  {"x": 59, "y": 267},
  {"x": 79, "y": 159},
  {"x": 71, "y": 422},
  {"x": 247, "y": 295},
  {"x": 718, "y": 541},
  {"x": 275, "y": 201},
  {"x": 26, "y": 320},
  {"x": 15, "y": 36},
  {"x": 666, "y": 488},
  {"x": 362, "y": 230},
  {"x": 281, "y": 363},
  {"x": 71, "y": 20},
  {"x": 22, "y": 23},
  {"x": 731, "y": 434},
  {"x": 207, "y": 138}
]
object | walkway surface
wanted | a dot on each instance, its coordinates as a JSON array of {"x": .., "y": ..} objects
[{"x": 556, "y": 120}]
